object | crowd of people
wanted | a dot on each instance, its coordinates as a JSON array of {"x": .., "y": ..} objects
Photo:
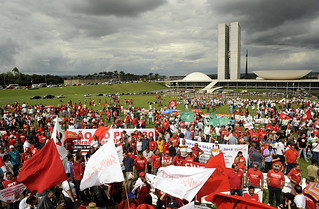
[{"x": 278, "y": 139}]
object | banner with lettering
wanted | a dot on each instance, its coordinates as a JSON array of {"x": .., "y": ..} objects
[
  {"x": 102, "y": 167},
  {"x": 12, "y": 194},
  {"x": 182, "y": 182},
  {"x": 230, "y": 152},
  {"x": 86, "y": 135}
]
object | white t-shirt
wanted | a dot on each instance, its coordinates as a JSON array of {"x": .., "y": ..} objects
[
  {"x": 66, "y": 187},
  {"x": 300, "y": 201},
  {"x": 280, "y": 148}
]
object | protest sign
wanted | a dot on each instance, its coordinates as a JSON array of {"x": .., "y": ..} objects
[
  {"x": 86, "y": 134},
  {"x": 230, "y": 152},
  {"x": 12, "y": 194}
]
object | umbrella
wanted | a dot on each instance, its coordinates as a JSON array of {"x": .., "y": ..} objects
[
  {"x": 197, "y": 111},
  {"x": 313, "y": 190},
  {"x": 71, "y": 135},
  {"x": 168, "y": 111}
]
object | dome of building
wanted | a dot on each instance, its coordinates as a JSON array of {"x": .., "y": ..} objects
[
  {"x": 281, "y": 74},
  {"x": 197, "y": 76}
]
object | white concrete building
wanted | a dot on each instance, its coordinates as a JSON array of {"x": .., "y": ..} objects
[{"x": 229, "y": 46}]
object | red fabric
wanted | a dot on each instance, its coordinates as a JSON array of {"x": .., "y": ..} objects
[
  {"x": 178, "y": 161},
  {"x": 291, "y": 156},
  {"x": 172, "y": 103},
  {"x": 156, "y": 160},
  {"x": 282, "y": 115},
  {"x": 218, "y": 181},
  {"x": 78, "y": 171},
  {"x": 306, "y": 116},
  {"x": 43, "y": 170},
  {"x": 100, "y": 133},
  {"x": 224, "y": 201}
]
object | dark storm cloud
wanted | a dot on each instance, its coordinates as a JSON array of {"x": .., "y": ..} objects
[
  {"x": 121, "y": 8},
  {"x": 8, "y": 49},
  {"x": 273, "y": 22}
]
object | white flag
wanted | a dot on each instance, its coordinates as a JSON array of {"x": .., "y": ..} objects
[
  {"x": 58, "y": 137},
  {"x": 182, "y": 182},
  {"x": 190, "y": 205},
  {"x": 102, "y": 167}
]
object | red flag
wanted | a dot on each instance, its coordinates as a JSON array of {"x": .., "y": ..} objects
[
  {"x": 224, "y": 201},
  {"x": 283, "y": 115},
  {"x": 100, "y": 133},
  {"x": 218, "y": 182},
  {"x": 172, "y": 103},
  {"x": 306, "y": 116},
  {"x": 43, "y": 170}
]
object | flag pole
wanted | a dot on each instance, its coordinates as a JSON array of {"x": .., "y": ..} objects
[{"x": 128, "y": 203}]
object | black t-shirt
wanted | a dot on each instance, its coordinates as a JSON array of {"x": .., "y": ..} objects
[{"x": 302, "y": 142}]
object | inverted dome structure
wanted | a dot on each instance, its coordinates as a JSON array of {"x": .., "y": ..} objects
[
  {"x": 197, "y": 77},
  {"x": 281, "y": 74}
]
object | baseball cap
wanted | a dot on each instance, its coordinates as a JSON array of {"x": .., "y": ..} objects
[
  {"x": 11, "y": 146},
  {"x": 131, "y": 195},
  {"x": 142, "y": 174},
  {"x": 173, "y": 204},
  {"x": 167, "y": 152}
]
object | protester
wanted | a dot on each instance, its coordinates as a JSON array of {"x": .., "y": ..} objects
[
  {"x": 275, "y": 181},
  {"x": 251, "y": 194},
  {"x": 300, "y": 199},
  {"x": 236, "y": 180},
  {"x": 291, "y": 158},
  {"x": 254, "y": 178},
  {"x": 295, "y": 177}
]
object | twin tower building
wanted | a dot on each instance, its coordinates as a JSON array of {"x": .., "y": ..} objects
[{"x": 229, "y": 46}]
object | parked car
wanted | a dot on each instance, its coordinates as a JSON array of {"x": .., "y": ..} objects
[
  {"x": 60, "y": 96},
  {"x": 35, "y": 97},
  {"x": 48, "y": 96},
  {"x": 99, "y": 95}
]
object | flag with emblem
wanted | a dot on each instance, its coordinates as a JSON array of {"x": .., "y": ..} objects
[
  {"x": 306, "y": 116},
  {"x": 58, "y": 138}
]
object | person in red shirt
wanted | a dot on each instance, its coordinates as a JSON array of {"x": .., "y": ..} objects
[
  {"x": 190, "y": 157},
  {"x": 26, "y": 155},
  {"x": 78, "y": 171},
  {"x": 140, "y": 164},
  {"x": 166, "y": 159},
  {"x": 197, "y": 152},
  {"x": 152, "y": 144},
  {"x": 132, "y": 202},
  {"x": 251, "y": 194},
  {"x": 175, "y": 140},
  {"x": 156, "y": 161},
  {"x": 295, "y": 177},
  {"x": 135, "y": 122},
  {"x": 118, "y": 122},
  {"x": 236, "y": 180},
  {"x": 178, "y": 159},
  {"x": 291, "y": 157},
  {"x": 144, "y": 190},
  {"x": 255, "y": 177},
  {"x": 241, "y": 166},
  {"x": 275, "y": 181},
  {"x": 10, "y": 182}
]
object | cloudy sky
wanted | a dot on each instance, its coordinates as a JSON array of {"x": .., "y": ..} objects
[{"x": 169, "y": 37}]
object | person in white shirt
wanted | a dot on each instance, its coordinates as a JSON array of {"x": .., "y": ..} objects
[
  {"x": 300, "y": 199},
  {"x": 68, "y": 191},
  {"x": 280, "y": 150}
]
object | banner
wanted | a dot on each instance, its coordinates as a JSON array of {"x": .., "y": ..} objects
[
  {"x": 182, "y": 182},
  {"x": 12, "y": 194},
  {"x": 58, "y": 137},
  {"x": 102, "y": 167},
  {"x": 230, "y": 152},
  {"x": 86, "y": 134}
]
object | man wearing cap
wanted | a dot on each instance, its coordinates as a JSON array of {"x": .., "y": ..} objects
[
  {"x": 132, "y": 202},
  {"x": 166, "y": 159},
  {"x": 143, "y": 190},
  {"x": 236, "y": 181},
  {"x": 15, "y": 159},
  {"x": 275, "y": 181},
  {"x": 26, "y": 155}
]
